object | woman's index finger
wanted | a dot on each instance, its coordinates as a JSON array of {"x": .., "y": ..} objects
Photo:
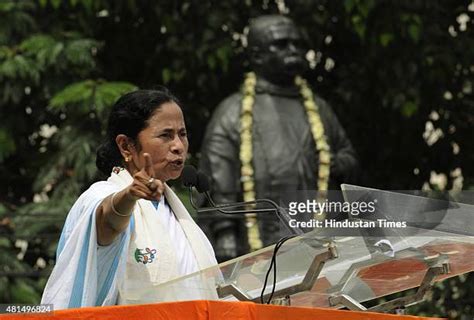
[{"x": 149, "y": 165}]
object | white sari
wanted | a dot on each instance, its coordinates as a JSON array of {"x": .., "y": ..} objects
[{"x": 142, "y": 257}]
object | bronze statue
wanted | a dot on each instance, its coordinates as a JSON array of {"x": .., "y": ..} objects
[{"x": 272, "y": 137}]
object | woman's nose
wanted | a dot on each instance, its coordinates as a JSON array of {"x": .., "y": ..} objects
[{"x": 177, "y": 146}]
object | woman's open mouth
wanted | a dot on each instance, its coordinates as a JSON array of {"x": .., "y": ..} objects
[{"x": 178, "y": 163}]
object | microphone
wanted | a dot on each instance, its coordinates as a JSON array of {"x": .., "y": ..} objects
[
  {"x": 197, "y": 179},
  {"x": 189, "y": 176},
  {"x": 192, "y": 178}
]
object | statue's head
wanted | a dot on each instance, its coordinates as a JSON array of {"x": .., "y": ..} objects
[{"x": 276, "y": 48}]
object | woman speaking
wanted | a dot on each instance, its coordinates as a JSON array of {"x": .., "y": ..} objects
[{"x": 126, "y": 235}]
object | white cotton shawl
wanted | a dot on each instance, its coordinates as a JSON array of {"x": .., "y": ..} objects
[{"x": 74, "y": 280}]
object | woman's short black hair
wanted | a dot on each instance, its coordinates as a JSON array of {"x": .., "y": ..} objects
[{"x": 129, "y": 116}]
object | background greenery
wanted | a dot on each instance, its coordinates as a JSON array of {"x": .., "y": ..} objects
[{"x": 398, "y": 73}]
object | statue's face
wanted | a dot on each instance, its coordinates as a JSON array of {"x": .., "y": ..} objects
[{"x": 282, "y": 53}]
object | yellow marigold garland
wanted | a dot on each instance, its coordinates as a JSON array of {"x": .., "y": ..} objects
[
  {"x": 317, "y": 129},
  {"x": 247, "y": 172},
  {"x": 246, "y": 121}
]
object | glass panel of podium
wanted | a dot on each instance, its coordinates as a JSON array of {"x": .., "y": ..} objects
[{"x": 330, "y": 269}]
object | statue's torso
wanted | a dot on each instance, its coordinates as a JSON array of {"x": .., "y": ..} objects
[
  {"x": 284, "y": 153},
  {"x": 283, "y": 146}
]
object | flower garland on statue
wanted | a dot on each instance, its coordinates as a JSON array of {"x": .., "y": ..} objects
[
  {"x": 245, "y": 155},
  {"x": 317, "y": 129}
]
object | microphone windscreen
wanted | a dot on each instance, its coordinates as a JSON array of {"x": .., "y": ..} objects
[
  {"x": 202, "y": 182},
  {"x": 189, "y": 176}
]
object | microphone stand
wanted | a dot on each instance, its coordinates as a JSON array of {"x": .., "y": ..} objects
[{"x": 223, "y": 208}]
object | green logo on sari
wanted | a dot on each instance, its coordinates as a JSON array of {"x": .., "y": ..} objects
[{"x": 145, "y": 256}]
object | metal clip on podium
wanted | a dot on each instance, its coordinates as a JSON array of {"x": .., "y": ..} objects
[
  {"x": 438, "y": 265},
  {"x": 305, "y": 285}
]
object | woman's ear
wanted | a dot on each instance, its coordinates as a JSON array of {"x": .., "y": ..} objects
[{"x": 125, "y": 147}]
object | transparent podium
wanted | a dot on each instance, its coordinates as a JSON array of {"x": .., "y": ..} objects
[{"x": 330, "y": 269}]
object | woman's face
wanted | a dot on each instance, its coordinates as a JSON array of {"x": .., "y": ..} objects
[{"x": 165, "y": 139}]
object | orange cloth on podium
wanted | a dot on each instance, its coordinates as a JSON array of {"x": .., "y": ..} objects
[{"x": 209, "y": 310}]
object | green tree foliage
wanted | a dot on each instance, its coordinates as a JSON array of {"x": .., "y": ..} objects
[
  {"x": 398, "y": 73},
  {"x": 53, "y": 105}
]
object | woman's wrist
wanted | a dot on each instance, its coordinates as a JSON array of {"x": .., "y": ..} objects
[
  {"x": 122, "y": 203},
  {"x": 128, "y": 196},
  {"x": 114, "y": 210}
]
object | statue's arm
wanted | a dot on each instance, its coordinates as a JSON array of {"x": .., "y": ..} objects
[{"x": 220, "y": 153}]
